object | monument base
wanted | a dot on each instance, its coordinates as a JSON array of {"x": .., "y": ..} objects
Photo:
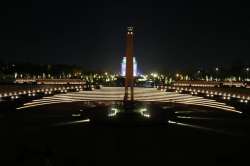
[{"x": 129, "y": 106}]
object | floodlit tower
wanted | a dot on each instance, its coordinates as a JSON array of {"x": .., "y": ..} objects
[
  {"x": 134, "y": 67},
  {"x": 123, "y": 67},
  {"x": 129, "y": 79}
]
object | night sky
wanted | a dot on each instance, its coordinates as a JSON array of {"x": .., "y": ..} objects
[{"x": 170, "y": 35}]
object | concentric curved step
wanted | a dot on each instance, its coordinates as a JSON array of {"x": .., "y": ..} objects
[{"x": 141, "y": 94}]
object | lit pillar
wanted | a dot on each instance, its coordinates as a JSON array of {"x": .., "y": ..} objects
[{"x": 129, "y": 79}]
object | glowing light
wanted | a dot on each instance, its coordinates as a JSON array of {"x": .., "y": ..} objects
[
  {"x": 123, "y": 67},
  {"x": 40, "y": 104},
  {"x": 113, "y": 112},
  {"x": 199, "y": 127},
  {"x": 144, "y": 112},
  {"x": 74, "y": 122},
  {"x": 76, "y": 115}
]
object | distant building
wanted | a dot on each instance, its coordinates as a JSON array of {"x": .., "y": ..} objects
[{"x": 123, "y": 67}]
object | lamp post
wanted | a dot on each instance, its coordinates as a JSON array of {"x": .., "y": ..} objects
[
  {"x": 247, "y": 70},
  {"x": 217, "y": 71}
]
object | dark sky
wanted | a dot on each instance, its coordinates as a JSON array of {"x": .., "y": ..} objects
[{"x": 169, "y": 34}]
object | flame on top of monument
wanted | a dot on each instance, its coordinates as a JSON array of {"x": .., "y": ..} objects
[{"x": 130, "y": 29}]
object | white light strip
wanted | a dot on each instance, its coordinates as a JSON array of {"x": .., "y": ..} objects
[
  {"x": 207, "y": 102},
  {"x": 164, "y": 95},
  {"x": 227, "y": 109},
  {"x": 189, "y": 112},
  {"x": 202, "y": 101},
  {"x": 47, "y": 100},
  {"x": 158, "y": 98},
  {"x": 34, "y": 105},
  {"x": 164, "y": 99},
  {"x": 100, "y": 98},
  {"x": 90, "y": 96},
  {"x": 73, "y": 122},
  {"x": 199, "y": 127},
  {"x": 194, "y": 99},
  {"x": 198, "y": 118}
]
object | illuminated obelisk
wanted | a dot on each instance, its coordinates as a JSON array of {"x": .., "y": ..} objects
[{"x": 129, "y": 79}]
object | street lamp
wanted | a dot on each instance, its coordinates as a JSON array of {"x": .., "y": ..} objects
[
  {"x": 247, "y": 70},
  {"x": 217, "y": 70}
]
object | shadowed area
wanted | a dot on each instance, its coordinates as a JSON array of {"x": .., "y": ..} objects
[{"x": 89, "y": 133}]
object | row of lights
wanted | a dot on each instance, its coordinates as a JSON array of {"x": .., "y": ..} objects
[
  {"x": 195, "y": 85},
  {"x": 212, "y": 94},
  {"x": 15, "y": 95}
]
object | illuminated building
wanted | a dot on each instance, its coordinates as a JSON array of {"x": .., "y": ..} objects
[{"x": 123, "y": 67}]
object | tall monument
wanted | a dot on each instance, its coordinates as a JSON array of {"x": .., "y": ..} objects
[{"x": 129, "y": 79}]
